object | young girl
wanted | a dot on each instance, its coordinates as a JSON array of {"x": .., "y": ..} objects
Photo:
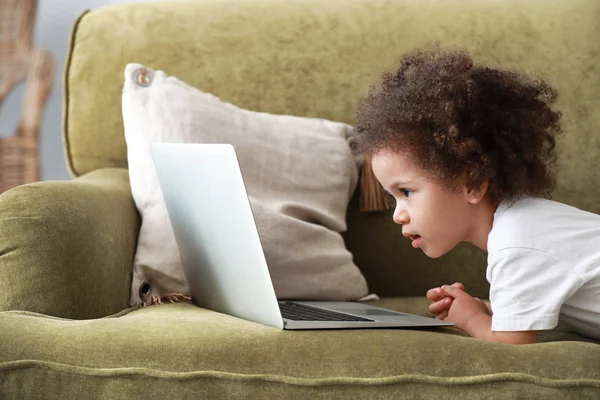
[{"x": 467, "y": 152}]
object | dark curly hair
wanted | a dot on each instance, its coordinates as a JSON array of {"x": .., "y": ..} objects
[{"x": 465, "y": 123}]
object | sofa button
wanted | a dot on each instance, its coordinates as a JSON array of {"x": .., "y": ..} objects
[{"x": 142, "y": 77}]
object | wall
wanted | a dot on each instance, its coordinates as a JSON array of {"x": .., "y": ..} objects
[{"x": 53, "y": 27}]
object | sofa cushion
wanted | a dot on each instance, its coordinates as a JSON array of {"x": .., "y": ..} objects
[
  {"x": 299, "y": 174},
  {"x": 180, "y": 350}
]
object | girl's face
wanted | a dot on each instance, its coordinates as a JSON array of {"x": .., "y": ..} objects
[{"x": 434, "y": 217}]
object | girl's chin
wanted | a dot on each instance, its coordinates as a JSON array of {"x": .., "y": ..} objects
[{"x": 431, "y": 252}]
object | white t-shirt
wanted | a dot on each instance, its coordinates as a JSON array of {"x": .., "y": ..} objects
[{"x": 544, "y": 266}]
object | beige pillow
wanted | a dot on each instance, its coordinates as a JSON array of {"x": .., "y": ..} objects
[{"x": 299, "y": 173}]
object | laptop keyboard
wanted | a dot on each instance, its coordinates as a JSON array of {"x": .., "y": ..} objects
[{"x": 301, "y": 312}]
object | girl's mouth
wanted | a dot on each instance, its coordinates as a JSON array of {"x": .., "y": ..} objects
[{"x": 416, "y": 241}]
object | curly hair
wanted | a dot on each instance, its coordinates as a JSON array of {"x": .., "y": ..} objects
[{"x": 465, "y": 124}]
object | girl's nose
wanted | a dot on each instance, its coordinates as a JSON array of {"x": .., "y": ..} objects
[{"x": 400, "y": 216}]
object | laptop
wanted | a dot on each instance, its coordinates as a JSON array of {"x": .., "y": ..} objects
[{"x": 221, "y": 251}]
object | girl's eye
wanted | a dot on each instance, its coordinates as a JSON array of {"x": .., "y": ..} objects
[{"x": 407, "y": 193}]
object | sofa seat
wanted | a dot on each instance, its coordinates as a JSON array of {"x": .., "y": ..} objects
[{"x": 176, "y": 349}]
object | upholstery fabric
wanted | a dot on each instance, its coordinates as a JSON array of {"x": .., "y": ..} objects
[
  {"x": 317, "y": 59},
  {"x": 299, "y": 174},
  {"x": 182, "y": 351},
  {"x": 66, "y": 248}
]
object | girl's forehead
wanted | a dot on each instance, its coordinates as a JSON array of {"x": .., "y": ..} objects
[{"x": 392, "y": 168}]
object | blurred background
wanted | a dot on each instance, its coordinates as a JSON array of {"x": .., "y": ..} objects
[{"x": 51, "y": 32}]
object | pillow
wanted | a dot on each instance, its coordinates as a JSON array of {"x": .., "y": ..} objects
[{"x": 300, "y": 175}]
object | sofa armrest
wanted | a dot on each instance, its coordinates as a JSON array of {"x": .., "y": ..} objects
[{"x": 67, "y": 247}]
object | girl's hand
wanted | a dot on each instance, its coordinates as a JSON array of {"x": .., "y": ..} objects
[
  {"x": 474, "y": 317},
  {"x": 441, "y": 301},
  {"x": 464, "y": 307}
]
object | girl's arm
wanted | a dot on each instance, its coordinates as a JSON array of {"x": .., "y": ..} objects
[
  {"x": 480, "y": 326},
  {"x": 473, "y": 317},
  {"x": 489, "y": 307}
]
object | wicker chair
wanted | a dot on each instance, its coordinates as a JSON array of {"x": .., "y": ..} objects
[{"x": 19, "y": 61}]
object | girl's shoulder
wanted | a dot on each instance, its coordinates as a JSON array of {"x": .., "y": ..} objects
[
  {"x": 540, "y": 224},
  {"x": 534, "y": 208}
]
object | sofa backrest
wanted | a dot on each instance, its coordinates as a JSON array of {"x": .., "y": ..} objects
[{"x": 317, "y": 58}]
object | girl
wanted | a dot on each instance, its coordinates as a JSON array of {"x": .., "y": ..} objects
[{"x": 467, "y": 152}]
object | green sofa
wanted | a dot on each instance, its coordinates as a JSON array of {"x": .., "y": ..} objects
[{"x": 67, "y": 248}]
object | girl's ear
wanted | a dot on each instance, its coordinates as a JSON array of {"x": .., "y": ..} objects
[{"x": 476, "y": 194}]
